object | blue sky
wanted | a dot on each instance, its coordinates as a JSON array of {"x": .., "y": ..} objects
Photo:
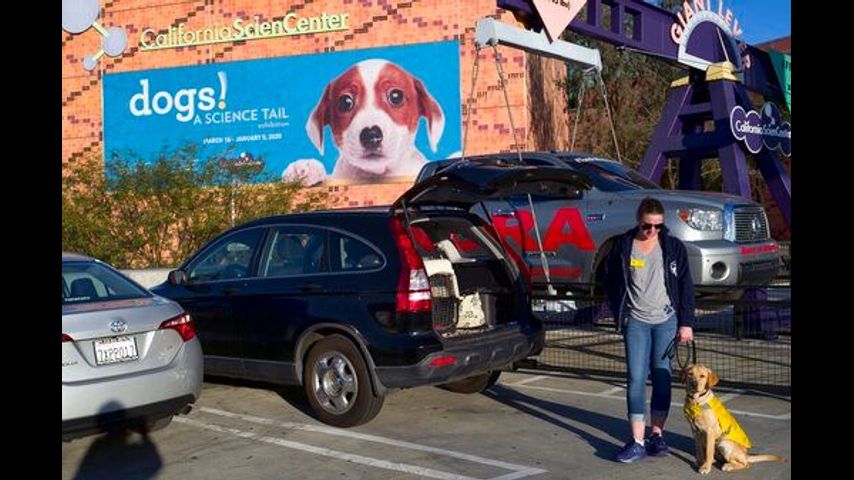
[{"x": 762, "y": 20}]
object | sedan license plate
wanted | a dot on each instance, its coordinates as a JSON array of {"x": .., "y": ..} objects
[{"x": 115, "y": 350}]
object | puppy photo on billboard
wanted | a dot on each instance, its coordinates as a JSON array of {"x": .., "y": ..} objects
[{"x": 373, "y": 110}]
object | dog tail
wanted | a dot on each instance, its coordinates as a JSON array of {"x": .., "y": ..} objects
[{"x": 765, "y": 458}]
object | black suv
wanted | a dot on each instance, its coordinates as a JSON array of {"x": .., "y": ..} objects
[{"x": 354, "y": 303}]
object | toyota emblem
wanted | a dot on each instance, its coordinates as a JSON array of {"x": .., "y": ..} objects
[
  {"x": 118, "y": 326},
  {"x": 755, "y": 225}
]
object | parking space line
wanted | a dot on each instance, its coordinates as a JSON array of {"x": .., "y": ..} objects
[
  {"x": 605, "y": 379},
  {"x": 574, "y": 392},
  {"x": 786, "y": 416},
  {"x": 520, "y": 474},
  {"x": 612, "y": 391},
  {"x": 517, "y": 471},
  {"x": 767, "y": 394},
  {"x": 349, "y": 457},
  {"x": 528, "y": 380},
  {"x": 729, "y": 396}
]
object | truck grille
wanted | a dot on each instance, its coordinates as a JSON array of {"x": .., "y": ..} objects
[{"x": 751, "y": 224}]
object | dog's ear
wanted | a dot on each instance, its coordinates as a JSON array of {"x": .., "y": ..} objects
[
  {"x": 318, "y": 119},
  {"x": 432, "y": 111},
  {"x": 713, "y": 378}
]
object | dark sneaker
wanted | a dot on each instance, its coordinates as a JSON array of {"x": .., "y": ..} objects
[
  {"x": 632, "y": 452},
  {"x": 656, "y": 447}
]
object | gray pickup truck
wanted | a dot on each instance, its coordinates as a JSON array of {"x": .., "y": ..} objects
[{"x": 727, "y": 237}]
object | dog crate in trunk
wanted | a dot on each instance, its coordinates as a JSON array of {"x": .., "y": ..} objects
[{"x": 471, "y": 286}]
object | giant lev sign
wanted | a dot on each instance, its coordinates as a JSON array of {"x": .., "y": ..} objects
[{"x": 358, "y": 116}]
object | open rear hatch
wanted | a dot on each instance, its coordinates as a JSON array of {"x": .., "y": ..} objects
[
  {"x": 455, "y": 264},
  {"x": 465, "y": 184}
]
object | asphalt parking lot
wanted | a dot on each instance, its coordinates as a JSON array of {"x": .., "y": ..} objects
[{"x": 528, "y": 425}]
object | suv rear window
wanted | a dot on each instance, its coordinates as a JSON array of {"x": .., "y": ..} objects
[
  {"x": 350, "y": 254},
  {"x": 84, "y": 282}
]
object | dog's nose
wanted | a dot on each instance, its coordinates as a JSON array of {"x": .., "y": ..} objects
[{"x": 371, "y": 138}]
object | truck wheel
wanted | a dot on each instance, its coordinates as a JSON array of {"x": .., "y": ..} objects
[
  {"x": 475, "y": 384},
  {"x": 338, "y": 385}
]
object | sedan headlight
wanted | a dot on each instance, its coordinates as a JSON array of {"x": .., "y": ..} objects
[{"x": 703, "y": 219}]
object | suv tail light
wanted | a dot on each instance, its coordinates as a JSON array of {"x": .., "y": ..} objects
[
  {"x": 413, "y": 286},
  {"x": 181, "y": 324},
  {"x": 66, "y": 338},
  {"x": 445, "y": 361}
]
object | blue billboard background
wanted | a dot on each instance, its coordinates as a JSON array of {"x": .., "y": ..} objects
[{"x": 261, "y": 106}]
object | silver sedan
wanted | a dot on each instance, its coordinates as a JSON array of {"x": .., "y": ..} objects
[{"x": 130, "y": 359}]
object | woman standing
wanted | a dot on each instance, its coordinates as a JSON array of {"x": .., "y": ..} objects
[{"x": 652, "y": 297}]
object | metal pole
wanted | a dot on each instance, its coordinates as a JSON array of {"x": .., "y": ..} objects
[
  {"x": 471, "y": 101},
  {"x": 610, "y": 120},
  {"x": 578, "y": 111},
  {"x": 233, "y": 184},
  {"x": 551, "y": 290},
  {"x": 506, "y": 99}
]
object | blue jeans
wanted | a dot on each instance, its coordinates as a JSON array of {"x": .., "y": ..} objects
[{"x": 645, "y": 345}]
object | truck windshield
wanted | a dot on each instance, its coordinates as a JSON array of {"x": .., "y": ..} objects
[{"x": 613, "y": 177}]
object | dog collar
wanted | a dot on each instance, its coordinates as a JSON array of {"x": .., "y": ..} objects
[{"x": 702, "y": 399}]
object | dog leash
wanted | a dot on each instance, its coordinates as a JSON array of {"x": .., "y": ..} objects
[{"x": 673, "y": 351}]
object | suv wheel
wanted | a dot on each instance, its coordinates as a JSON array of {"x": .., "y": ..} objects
[
  {"x": 475, "y": 384},
  {"x": 337, "y": 383}
]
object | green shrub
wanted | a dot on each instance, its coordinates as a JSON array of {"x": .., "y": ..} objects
[{"x": 139, "y": 214}]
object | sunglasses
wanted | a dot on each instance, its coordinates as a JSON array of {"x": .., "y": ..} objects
[{"x": 647, "y": 226}]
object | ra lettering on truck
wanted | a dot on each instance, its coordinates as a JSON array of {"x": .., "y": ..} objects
[{"x": 566, "y": 228}]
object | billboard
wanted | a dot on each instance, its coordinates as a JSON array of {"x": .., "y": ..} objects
[{"x": 358, "y": 116}]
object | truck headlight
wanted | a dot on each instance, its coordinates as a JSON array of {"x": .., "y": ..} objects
[{"x": 703, "y": 219}]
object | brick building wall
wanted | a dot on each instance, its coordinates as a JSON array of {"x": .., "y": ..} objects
[{"x": 373, "y": 23}]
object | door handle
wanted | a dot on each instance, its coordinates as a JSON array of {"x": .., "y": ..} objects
[
  {"x": 309, "y": 287},
  {"x": 230, "y": 290}
]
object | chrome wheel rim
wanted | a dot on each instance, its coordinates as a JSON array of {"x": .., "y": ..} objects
[{"x": 335, "y": 383}]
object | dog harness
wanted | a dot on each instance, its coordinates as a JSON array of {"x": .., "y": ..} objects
[{"x": 729, "y": 426}]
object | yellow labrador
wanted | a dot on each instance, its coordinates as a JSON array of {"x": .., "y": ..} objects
[{"x": 716, "y": 432}]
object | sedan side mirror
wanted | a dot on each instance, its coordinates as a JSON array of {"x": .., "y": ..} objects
[{"x": 178, "y": 277}]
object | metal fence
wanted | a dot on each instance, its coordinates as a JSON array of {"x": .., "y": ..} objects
[
  {"x": 786, "y": 259},
  {"x": 747, "y": 342}
]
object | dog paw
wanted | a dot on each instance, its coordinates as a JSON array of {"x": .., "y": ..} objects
[
  {"x": 727, "y": 467},
  {"x": 704, "y": 469},
  {"x": 307, "y": 170}
]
